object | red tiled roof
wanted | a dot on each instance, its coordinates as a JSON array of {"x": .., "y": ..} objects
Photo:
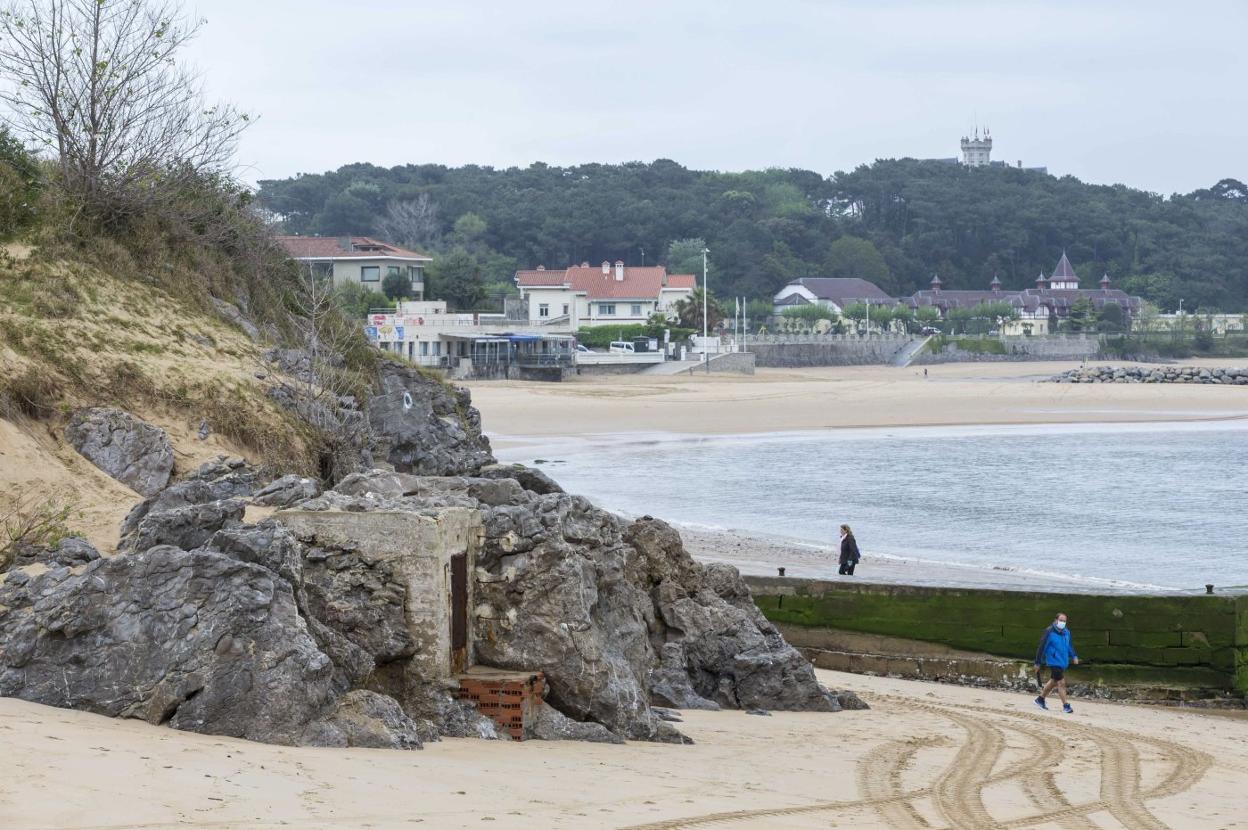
[
  {"x": 640, "y": 283},
  {"x": 331, "y": 247}
]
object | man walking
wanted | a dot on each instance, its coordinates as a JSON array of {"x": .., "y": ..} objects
[{"x": 1056, "y": 651}]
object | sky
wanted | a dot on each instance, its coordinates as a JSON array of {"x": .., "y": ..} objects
[{"x": 1149, "y": 94}]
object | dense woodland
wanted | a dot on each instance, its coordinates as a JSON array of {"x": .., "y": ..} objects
[{"x": 895, "y": 222}]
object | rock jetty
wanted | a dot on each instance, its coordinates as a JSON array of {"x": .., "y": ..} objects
[{"x": 1153, "y": 374}]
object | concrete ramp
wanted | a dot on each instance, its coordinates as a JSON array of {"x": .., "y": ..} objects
[
  {"x": 739, "y": 362},
  {"x": 907, "y": 352}
]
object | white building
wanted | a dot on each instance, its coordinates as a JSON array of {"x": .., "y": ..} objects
[
  {"x": 582, "y": 295},
  {"x": 467, "y": 345},
  {"x": 976, "y": 150},
  {"x": 358, "y": 259},
  {"x": 833, "y": 293}
]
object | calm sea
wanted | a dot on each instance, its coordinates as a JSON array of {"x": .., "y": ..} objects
[{"x": 1163, "y": 505}]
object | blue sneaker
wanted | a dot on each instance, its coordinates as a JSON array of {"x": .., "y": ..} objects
[
  {"x": 1066, "y": 708},
  {"x": 1040, "y": 702}
]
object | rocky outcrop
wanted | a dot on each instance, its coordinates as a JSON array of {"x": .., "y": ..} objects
[
  {"x": 366, "y": 719},
  {"x": 69, "y": 552},
  {"x": 223, "y": 478},
  {"x": 1153, "y": 374},
  {"x": 616, "y": 615},
  {"x": 132, "y": 451},
  {"x": 286, "y": 491},
  {"x": 424, "y": 426},
  {"x": 197, "y": 640}
]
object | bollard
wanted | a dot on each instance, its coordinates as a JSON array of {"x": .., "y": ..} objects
[{"x": 781, "y": 570}]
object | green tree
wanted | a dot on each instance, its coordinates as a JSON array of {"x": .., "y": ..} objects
[
  {"x": 1110, "y": 317},
  {"x": 20, "y": 184},
  {"x": 468, "y": 230},
  {"x": 689, "y": 311},
  {"x": 355, "y": 300},
  {"x": 927, "y": 315},
  {"x": 456, "y": 278},
  {"x": 1082, "y": 316},
  {"x": 684, "y": 256},
  {"x": 851, "y": 256},
  {"x": 396, "y": 286},
  {"x": 809, "y": 313}
]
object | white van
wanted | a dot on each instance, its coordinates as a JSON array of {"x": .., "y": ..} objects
[{"x": 621, "y": 347}]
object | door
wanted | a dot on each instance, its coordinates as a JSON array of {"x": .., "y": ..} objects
[{"x": 459, "y": 613}]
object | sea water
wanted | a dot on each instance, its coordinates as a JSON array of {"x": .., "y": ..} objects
[{"x": 1158, "y": 505}]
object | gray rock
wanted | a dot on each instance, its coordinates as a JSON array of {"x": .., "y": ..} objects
[
  {"x": 421, "y": 425},
  {"x": 231, "y": 313},
  {"x": 196, "y": 640},
  {"x": 186, "y": 527},
  {"x": 365, "y": 719},
  {"x": 530, "y": 479},
  {"x": 552, "y": 725},
  {"x": 287, "y": 490},
  {"x": 132, "y": 451},
  {"x": 70, "y": 552}
]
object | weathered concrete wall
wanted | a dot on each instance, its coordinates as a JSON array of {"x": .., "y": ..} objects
[
  {"x": 1193, "y": 641},
  {"x": 420, "y": 547},
  {"x": 1045, "y": 347},
  {"x": 834, "y": 351}
]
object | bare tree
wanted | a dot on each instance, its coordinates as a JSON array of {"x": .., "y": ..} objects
[
  {"x": 413, "y": 223},
  {"x": 316, "y": 382},
  {"x": 98, "y": 83}
]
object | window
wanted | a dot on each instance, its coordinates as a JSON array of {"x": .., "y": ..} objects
[
  {"x": 322, "y": 270},
  {"x": 606, "y": 309},
  {"x": 392, "y": 270},
  {"x": 636, "y": 312},
  {"x": 415, "y": 274},
  {"x": 543, "y": 310},
  {"x": 565, "y": 309},
  {"x": 424, "y": 349},
  {"x": 370, "y": 273}
]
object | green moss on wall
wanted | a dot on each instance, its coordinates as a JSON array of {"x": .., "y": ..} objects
[{"x": 1197, "y": 635}]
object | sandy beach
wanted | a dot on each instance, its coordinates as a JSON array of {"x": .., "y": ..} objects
[
  {"x": 783, "y": 400},
  {"x": 924, "y": 756}
]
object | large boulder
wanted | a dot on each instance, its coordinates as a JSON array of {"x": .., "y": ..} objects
[
  {"x": 184, "y": 527},
  {"x": 132, "y": 451},
  {"x": 422, "y": 425},
  {"x": 196, "y": 640}
]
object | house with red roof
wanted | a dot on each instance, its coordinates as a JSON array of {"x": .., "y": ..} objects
[
  {"x": 585, "y": 295},
  {"x": 358, "y": 259}
]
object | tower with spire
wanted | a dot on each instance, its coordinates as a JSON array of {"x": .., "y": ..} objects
[
  {"x": 976, "y": 150},
  {"x": 1064, "y": 275}
]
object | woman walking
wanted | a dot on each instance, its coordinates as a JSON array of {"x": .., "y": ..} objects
[{"x": 849, "y": 552}]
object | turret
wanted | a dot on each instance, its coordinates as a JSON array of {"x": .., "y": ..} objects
[
  {"x": 995, "y": 285},
  {"x": 936, "y": 283},
  {"x": 1042, "y": 281},
  {"x": 1105, "y": 282}
]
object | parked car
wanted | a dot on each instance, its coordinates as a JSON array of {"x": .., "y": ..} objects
[
  {"x": 582, "y": 348},
  {"x": 621, "y": 347},
  {"x": 929, "y": 330}
]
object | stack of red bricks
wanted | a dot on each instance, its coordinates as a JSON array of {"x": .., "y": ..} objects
[{"x": 510, "y": 699}]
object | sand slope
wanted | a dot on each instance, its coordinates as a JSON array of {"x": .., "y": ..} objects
[{"x": 924, "y": 756}]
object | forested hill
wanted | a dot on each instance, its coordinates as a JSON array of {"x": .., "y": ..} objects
[{"x": 895, "y": 222}]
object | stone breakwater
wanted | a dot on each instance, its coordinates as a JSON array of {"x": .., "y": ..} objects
[{"x": 1153, "y": 374}]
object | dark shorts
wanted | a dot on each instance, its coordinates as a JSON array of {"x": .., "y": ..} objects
[{"x": 1056, "y": 673}]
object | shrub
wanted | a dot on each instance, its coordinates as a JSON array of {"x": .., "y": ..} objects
[
  {"x": 31, "y": 522},
  {"x": 19, "y": 186}
]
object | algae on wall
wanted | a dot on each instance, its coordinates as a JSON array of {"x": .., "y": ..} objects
[{"x": 1189, "y": 640}]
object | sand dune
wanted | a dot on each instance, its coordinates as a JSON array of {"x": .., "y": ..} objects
[{"x": 924, "y": 756}]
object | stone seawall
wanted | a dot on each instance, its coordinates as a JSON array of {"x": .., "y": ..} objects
[
  {"x": 856, "y": 351},
  {"x": 1044, "y": 347},
  {"x": 1192, "y": 645}
]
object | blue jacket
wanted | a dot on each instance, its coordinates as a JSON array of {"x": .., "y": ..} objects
[{"x": 1056, "y": 649}]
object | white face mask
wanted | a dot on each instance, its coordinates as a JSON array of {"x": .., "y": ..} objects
[{"x": 1060, "y": 624}]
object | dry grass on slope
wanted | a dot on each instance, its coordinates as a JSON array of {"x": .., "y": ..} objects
[{"x": 73, "y": 334}]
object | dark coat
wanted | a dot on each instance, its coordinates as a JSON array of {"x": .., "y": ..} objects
[{"x": 849, "y": 550}]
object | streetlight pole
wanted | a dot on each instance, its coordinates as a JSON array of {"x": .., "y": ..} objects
[{"x": 706, "y": 358}]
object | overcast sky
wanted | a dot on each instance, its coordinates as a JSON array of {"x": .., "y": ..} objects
[{"x": 1150, "y": 94}]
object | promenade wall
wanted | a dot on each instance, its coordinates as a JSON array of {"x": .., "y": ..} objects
[
  {"x": 1006, "y": 349},
  {"x": 827, "y": 350},
  {"x": 1188, "y": 642}
]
